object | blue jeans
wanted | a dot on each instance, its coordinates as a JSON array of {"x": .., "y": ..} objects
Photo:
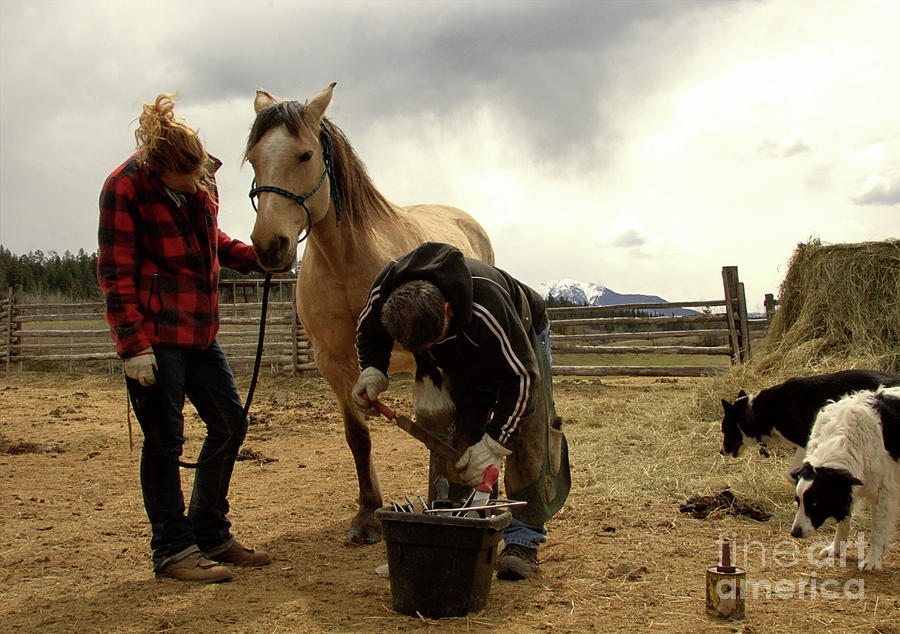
[
  {"x": 203, "y": 375},
  {"x": 523, "y": 534},
  {"x": 518, "y": 532}
]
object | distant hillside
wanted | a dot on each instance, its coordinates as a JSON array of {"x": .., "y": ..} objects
[{"x": 593, "y": 294}]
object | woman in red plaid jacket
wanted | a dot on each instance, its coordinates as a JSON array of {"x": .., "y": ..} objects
[{"x": 160, "y": 250}]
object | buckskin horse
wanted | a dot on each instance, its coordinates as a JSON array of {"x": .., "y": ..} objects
[{"x": 310, "y": 184}]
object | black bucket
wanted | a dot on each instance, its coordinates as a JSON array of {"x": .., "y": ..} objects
[{"x": 439, "y": 565}]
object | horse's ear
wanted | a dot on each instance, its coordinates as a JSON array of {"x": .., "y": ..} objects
[
  {"x": 263, "y": 100},
  {"x": 318, "y": 104}
]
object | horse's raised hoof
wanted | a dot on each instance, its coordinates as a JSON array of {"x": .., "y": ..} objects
[{"x": 367, "y": 534}]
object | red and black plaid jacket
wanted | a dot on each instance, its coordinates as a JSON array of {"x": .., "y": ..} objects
[{"x": 159, "y": 260}]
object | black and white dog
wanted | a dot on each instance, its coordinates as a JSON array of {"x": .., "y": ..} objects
[
  {"x": 853, "y": 451},
  {"x": 784, "y": 414}
]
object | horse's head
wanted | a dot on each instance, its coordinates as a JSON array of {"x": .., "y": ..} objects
[{"x": 291, "y": 182}]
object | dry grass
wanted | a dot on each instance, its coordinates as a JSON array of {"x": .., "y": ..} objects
[{"x": 669, "y": 450}]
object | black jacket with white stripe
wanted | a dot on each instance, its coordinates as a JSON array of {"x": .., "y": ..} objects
[{"x": 486, "y": 346}]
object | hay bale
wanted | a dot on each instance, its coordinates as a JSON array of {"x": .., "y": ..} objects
[{"x": 838, "y": 307}]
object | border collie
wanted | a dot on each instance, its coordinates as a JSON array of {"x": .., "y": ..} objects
[
  {"x": 786, "y": 412},
  {"x": 854, "y": 451}
]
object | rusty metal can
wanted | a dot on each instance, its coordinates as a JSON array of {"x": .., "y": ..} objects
[
  {"x": 726, "y": 587},
  {"x": 725, "y": 593}
]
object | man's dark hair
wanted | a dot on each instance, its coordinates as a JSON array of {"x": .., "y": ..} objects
[{"x": 413, "y": 314}]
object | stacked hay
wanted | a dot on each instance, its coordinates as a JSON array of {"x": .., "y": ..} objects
[{"x": 838, "y": 307}]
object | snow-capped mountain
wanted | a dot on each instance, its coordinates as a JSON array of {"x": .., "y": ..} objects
[
  {"x": 581, "y": 293},
  {"x": 593, "y": 294}
]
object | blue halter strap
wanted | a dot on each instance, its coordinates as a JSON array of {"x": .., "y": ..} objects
[{"x": 328, "y": 155}]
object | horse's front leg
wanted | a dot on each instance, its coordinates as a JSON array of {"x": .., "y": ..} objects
[{"x": 364, "y": 528}]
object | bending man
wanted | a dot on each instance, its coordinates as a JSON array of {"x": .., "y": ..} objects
[{"x": 478, "y": 325}]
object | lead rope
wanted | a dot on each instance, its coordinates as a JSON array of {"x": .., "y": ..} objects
[
  {"x": 250, "y": 391},
  {"x": 128, "y": 409}
]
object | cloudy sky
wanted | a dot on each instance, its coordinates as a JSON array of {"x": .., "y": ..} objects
[{"x": 641, "y": 145}]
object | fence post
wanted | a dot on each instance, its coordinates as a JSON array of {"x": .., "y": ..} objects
[
  {"x": 769, "y": 303},
  {"x": 736, "y": 312},
  {"x": 9, "y": 312},
  {"x": 744, "y": 320},
  {"x": 733, "y": 333},
  {"x": 294, "y": 342},
  {"x": 13, "y": 326}
]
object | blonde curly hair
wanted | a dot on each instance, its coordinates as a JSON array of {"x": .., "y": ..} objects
[{"x": 166, "y": 143}]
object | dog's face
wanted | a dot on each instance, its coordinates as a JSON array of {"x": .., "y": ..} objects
[
  {"x": 735, "y": 418},
  {"x": 822, "y": 492}
]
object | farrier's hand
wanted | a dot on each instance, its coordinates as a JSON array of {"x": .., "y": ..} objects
[
  {"x": 370, "y": 384},
  {"x": 142, "y": 367},
  {"x": 477, "y": 457}
]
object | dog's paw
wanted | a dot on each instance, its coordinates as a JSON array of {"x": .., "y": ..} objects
[
  {"x": 827, "y": 553},
  {"x": 870, "y": 565}
]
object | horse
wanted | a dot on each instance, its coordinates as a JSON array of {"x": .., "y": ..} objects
[{"x": 310, "y": 184}]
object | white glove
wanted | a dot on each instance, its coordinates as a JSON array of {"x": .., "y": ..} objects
[
  {"x": 371, "y": 383},
  {"x": 476, "y": 459},
  {"x": 142, "y": 367}
]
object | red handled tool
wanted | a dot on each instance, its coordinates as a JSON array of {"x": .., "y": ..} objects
[{"x": 483, "y": 491}]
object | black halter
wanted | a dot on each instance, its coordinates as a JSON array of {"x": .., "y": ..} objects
[{"x": 328, "y": 155}]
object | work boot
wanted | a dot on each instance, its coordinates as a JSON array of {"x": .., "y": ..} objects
[
  {"x": 195, "y": 567},
  {"x": 517, "y": 562},
  {"x": 239, "y": 555}
]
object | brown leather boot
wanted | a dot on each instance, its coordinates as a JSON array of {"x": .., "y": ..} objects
[
  {"x": 195, "y": 567},
  {"x": 517, "y": 562},
  {"x": 240, "y": 555}
]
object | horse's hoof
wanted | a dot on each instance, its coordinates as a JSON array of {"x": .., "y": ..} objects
[{"x": 366, "y": 535}]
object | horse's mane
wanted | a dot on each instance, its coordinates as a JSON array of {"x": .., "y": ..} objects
[{"x": 361, "y": 201}]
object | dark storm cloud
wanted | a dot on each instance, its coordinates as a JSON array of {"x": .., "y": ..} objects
[{"x": 545, "y": 66}]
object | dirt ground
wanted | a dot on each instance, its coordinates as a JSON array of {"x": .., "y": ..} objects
[{"x": 74, "y": 553}]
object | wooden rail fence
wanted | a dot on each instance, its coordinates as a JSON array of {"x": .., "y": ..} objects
[
  {"x": 34, "y": 335},
  {"x": 730, "y": 328},
  {"x": 41, "y": 335}
]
